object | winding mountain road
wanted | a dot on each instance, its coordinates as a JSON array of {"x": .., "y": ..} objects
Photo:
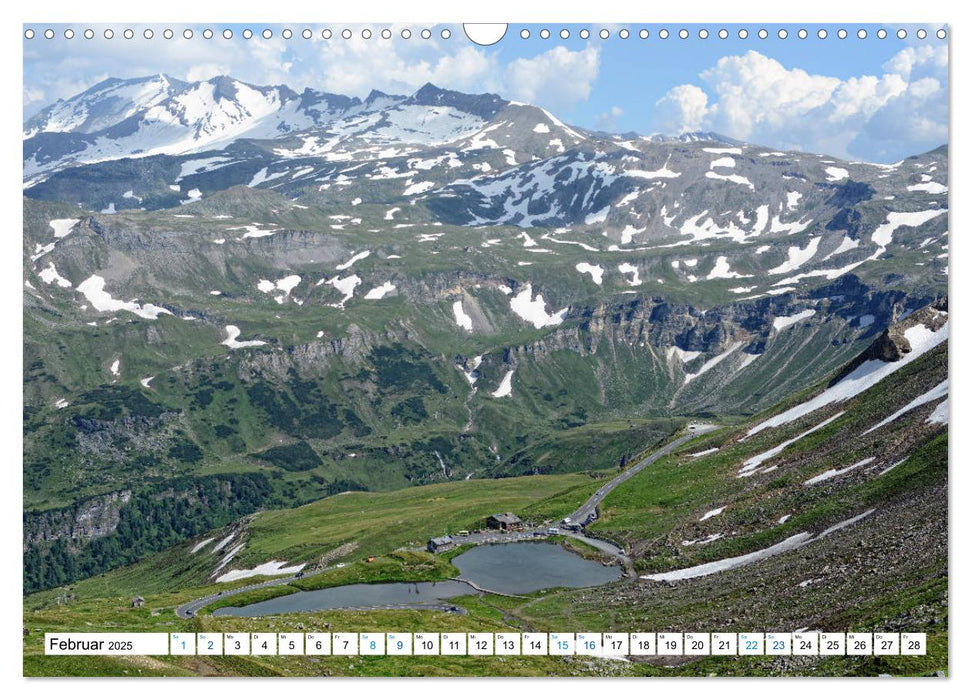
[{"x": 590, "y": 506}]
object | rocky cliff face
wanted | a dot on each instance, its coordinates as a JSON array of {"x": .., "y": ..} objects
[{"x": 95, "y": 517}]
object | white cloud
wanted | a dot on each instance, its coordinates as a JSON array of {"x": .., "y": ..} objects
[
  {"x": 607, "y": 120},
  {"x": 204, "y": 71},
  {"x": 684, "y": 108},
  {"x": 756, "y": 98},
  {"x": 32, "y": 95},
  {"x": 920, "y": 61},
  {"x": 556, "y": 79},
  {"x": 354, "y": 67}
]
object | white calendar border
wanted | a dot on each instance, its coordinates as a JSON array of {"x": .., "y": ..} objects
[{"x": 495, "y": 10}]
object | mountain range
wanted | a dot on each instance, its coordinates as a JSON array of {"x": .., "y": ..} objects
[{"x": 242, "y": 297}]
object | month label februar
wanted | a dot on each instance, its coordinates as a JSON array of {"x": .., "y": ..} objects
[{"x": 105, "y": 644}]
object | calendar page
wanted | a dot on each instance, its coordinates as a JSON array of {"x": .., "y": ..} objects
[{"x": 552, "y": 349}]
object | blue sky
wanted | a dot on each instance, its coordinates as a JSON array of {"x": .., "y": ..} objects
[{"x": 870, "y": 99}]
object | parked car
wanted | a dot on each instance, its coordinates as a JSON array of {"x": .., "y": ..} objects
[{"x": 553, "y": 531}]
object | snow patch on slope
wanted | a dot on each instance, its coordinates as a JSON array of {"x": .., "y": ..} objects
[
  {"x": 232, "y": 333},
  {"x": 868, "y": 374},
  {"x": 534, "y": 310},
  {"x": 781, "y": 322},
  {"x": 270, "y": 568},
  {"x": 462, "y": 319},
  {"x": 928, "y": 396},
  {"x": 380, "y": 291},
  {"x": 596, "y": 272},
  {"x": 93, "y": 289},
  {"x": 505, "y": 386}
]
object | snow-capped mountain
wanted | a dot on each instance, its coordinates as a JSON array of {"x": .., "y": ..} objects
[
  {"x": 480, "y": 161},
  {"x": 159, "y": 115}
]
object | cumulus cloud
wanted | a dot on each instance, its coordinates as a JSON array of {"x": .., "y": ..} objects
[
  {"x": 354, "y": 67},
  {"x": 684, "y": 107},
  {"x": 756, "y": 98},
  {"x": 556, "y": 79}
]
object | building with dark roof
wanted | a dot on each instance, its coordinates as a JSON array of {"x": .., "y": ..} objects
[
  {"x": 440, "y": 544},
  {"x": 504, "y": 521}
]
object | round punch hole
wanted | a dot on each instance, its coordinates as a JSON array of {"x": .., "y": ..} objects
[
  {"x": 664, "y": 34},
  {"x": 841, "y": 33},
  {"x": 48, "y": 33},
  {"x": 267, "y": 34},
  {"x": 326, "y": 34},
  {"x": 921, "y": 33},
  {"x": 68, "y": 33},
  {"x": 743, "y": 33},
  {"x": 306, "y": 33},
  {"x": 524, "y": 34},
  {"x": 783, "y": 34},
  {"x": 802, "y": 33},
  {"x": 129, "y": 34},
  {"x": 881, "y": 34},
  {"x": 564, "y": 33},
  {"x": 702, "y": 33},
  {"x": 227, "y": 33},
  {"x": 365, "y": 33},
  {"x": 168, "y": 33},
  {"x": 148, "y": 34},
  {"x": 821, "y": 34},
  {"x": 287, "y": 33},
  {"x": 604, "y": 33},
  {"x": 941, "y": 34},
  {"x": 29, "y": 34},
  {"x": 584, "y": 33},
  {"x": 446, "y": 33},
  {"x": 722, "y": 33},
  {"x": 763, "y": 34},
  {"x": 346, "y": 34},
  {"x": 683, "y": 33},
  {"x": 623, "y": 33},
  {"x": 643, "y": 34},
  {"x": 426, "y": 33},
  {"x": 901, "y": 33},
  {"x": 406, "y": 33},
  {"x": 544, "y": 33},
  {"x": 208, "y": 34},
  {"x": 89, "y": 34},
  {"x": 247, "y": 33},
  {"x": 109, "y": 33},
  {"x": 385, "y": 33},
  {"x": 861, "y": 33}
]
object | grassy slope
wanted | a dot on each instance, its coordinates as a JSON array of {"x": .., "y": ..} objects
[
  {"x": 907, "y": 600},
  {"x": 372, "y": 523}
]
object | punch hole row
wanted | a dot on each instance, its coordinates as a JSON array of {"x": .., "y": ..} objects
[
  {"x": 742, "y": 33},
  {"x": 385, "y": 33},
  {"x": 446, "y": 33}
]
